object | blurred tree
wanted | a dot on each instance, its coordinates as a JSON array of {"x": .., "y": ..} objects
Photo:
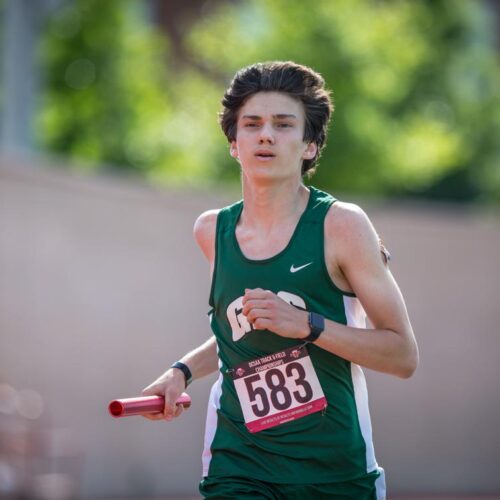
[
  {"x": 2, "y": 44},
  {"x": 111, "y": 98},
  {"x": 105, "y": 99},
  {"x": 176, "y": 18},
  {"x": 416, "y": 86}
]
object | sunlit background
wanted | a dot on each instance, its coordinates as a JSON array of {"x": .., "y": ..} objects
[{"x": 110, "y": 147}]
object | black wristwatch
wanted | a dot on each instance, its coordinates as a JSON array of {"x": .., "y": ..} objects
[
  {"x": 317, "y": 325},
  {"x": 184, "y": 369}
]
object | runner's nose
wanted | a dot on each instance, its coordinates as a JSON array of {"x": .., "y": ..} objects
[{"x": 266, "y": 135}]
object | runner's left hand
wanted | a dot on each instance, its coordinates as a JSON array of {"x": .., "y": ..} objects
[{"x": 266, "y": 311}]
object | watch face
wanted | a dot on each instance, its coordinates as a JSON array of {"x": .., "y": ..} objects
[{"x": 317, "y": 323}]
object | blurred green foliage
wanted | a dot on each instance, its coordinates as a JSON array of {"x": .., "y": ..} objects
[
  {"x": 2, "y": 43},
  {"x": 415, "y": 84},
  {"x": 105, "y": 99}
]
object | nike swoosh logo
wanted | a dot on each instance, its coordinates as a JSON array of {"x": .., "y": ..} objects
[{"x": 294, "y": 269}]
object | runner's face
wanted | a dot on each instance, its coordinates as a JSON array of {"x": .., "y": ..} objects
[{"x": 269, "y": 137}]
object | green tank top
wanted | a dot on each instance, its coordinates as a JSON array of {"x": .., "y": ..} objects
[{"x": 329, "y": 446}]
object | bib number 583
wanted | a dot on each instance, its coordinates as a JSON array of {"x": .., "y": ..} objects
[
  {"x": 278, "y": 388},
  {"x": 275, "y": 390}
]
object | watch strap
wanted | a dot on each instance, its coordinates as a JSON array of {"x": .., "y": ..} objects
[
  {"x": 316, "y": 325},
  {"x": 188, "y": 376}
]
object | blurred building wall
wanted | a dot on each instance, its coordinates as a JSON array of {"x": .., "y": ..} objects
[{"x": 102, "y": 287}]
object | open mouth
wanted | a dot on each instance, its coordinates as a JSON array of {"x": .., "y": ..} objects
[{"x": 264, "y": 154}]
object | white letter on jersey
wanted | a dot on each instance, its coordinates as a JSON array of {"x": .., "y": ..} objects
[{"x": 239, "y": 323}]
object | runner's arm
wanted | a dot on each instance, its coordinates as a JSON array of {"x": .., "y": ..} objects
[
  {"x": 201, "y": 361},
  {"x": 390, "y": 346}
]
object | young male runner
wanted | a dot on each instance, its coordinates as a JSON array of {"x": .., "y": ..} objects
[{"x": 293, "y": 273}]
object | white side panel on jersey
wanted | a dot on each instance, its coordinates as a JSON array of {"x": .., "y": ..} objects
[
  {"x": 380, "y": 485},
  {"x": 211, "y": 420},
  {"x": 361, "y": 397},
  {"x": 211, "y": 424},
  {"x": 354, "y": 312},
  {"x": 356, "y": 317}
]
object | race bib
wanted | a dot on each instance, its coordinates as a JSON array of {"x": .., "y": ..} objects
[{"x": 278, "y": 388}]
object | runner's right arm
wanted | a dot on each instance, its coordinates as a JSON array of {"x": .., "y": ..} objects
[{"x": 201, "y": 361}]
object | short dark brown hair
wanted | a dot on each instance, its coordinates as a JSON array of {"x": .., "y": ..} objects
[{"x": 299, "y": 82}]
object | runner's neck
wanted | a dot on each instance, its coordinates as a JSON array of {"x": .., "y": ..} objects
[{"x": 266, "y": 208}]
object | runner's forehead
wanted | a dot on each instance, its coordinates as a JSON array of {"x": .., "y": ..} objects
[{"x": 272, "y": 105}]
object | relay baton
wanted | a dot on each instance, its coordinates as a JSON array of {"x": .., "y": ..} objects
[{"x": 145, "y": 404}]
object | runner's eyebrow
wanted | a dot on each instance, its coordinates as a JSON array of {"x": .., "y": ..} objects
[{"x": 280, "y": 116}]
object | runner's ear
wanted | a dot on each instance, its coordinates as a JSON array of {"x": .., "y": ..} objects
[{"x": 310, "y": 151}]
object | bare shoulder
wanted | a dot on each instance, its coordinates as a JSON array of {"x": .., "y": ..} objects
[
  {"x": 351, "y": 232},
  {"x": 347, "y": 220},
  {"x": 204, "y": 232}
]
